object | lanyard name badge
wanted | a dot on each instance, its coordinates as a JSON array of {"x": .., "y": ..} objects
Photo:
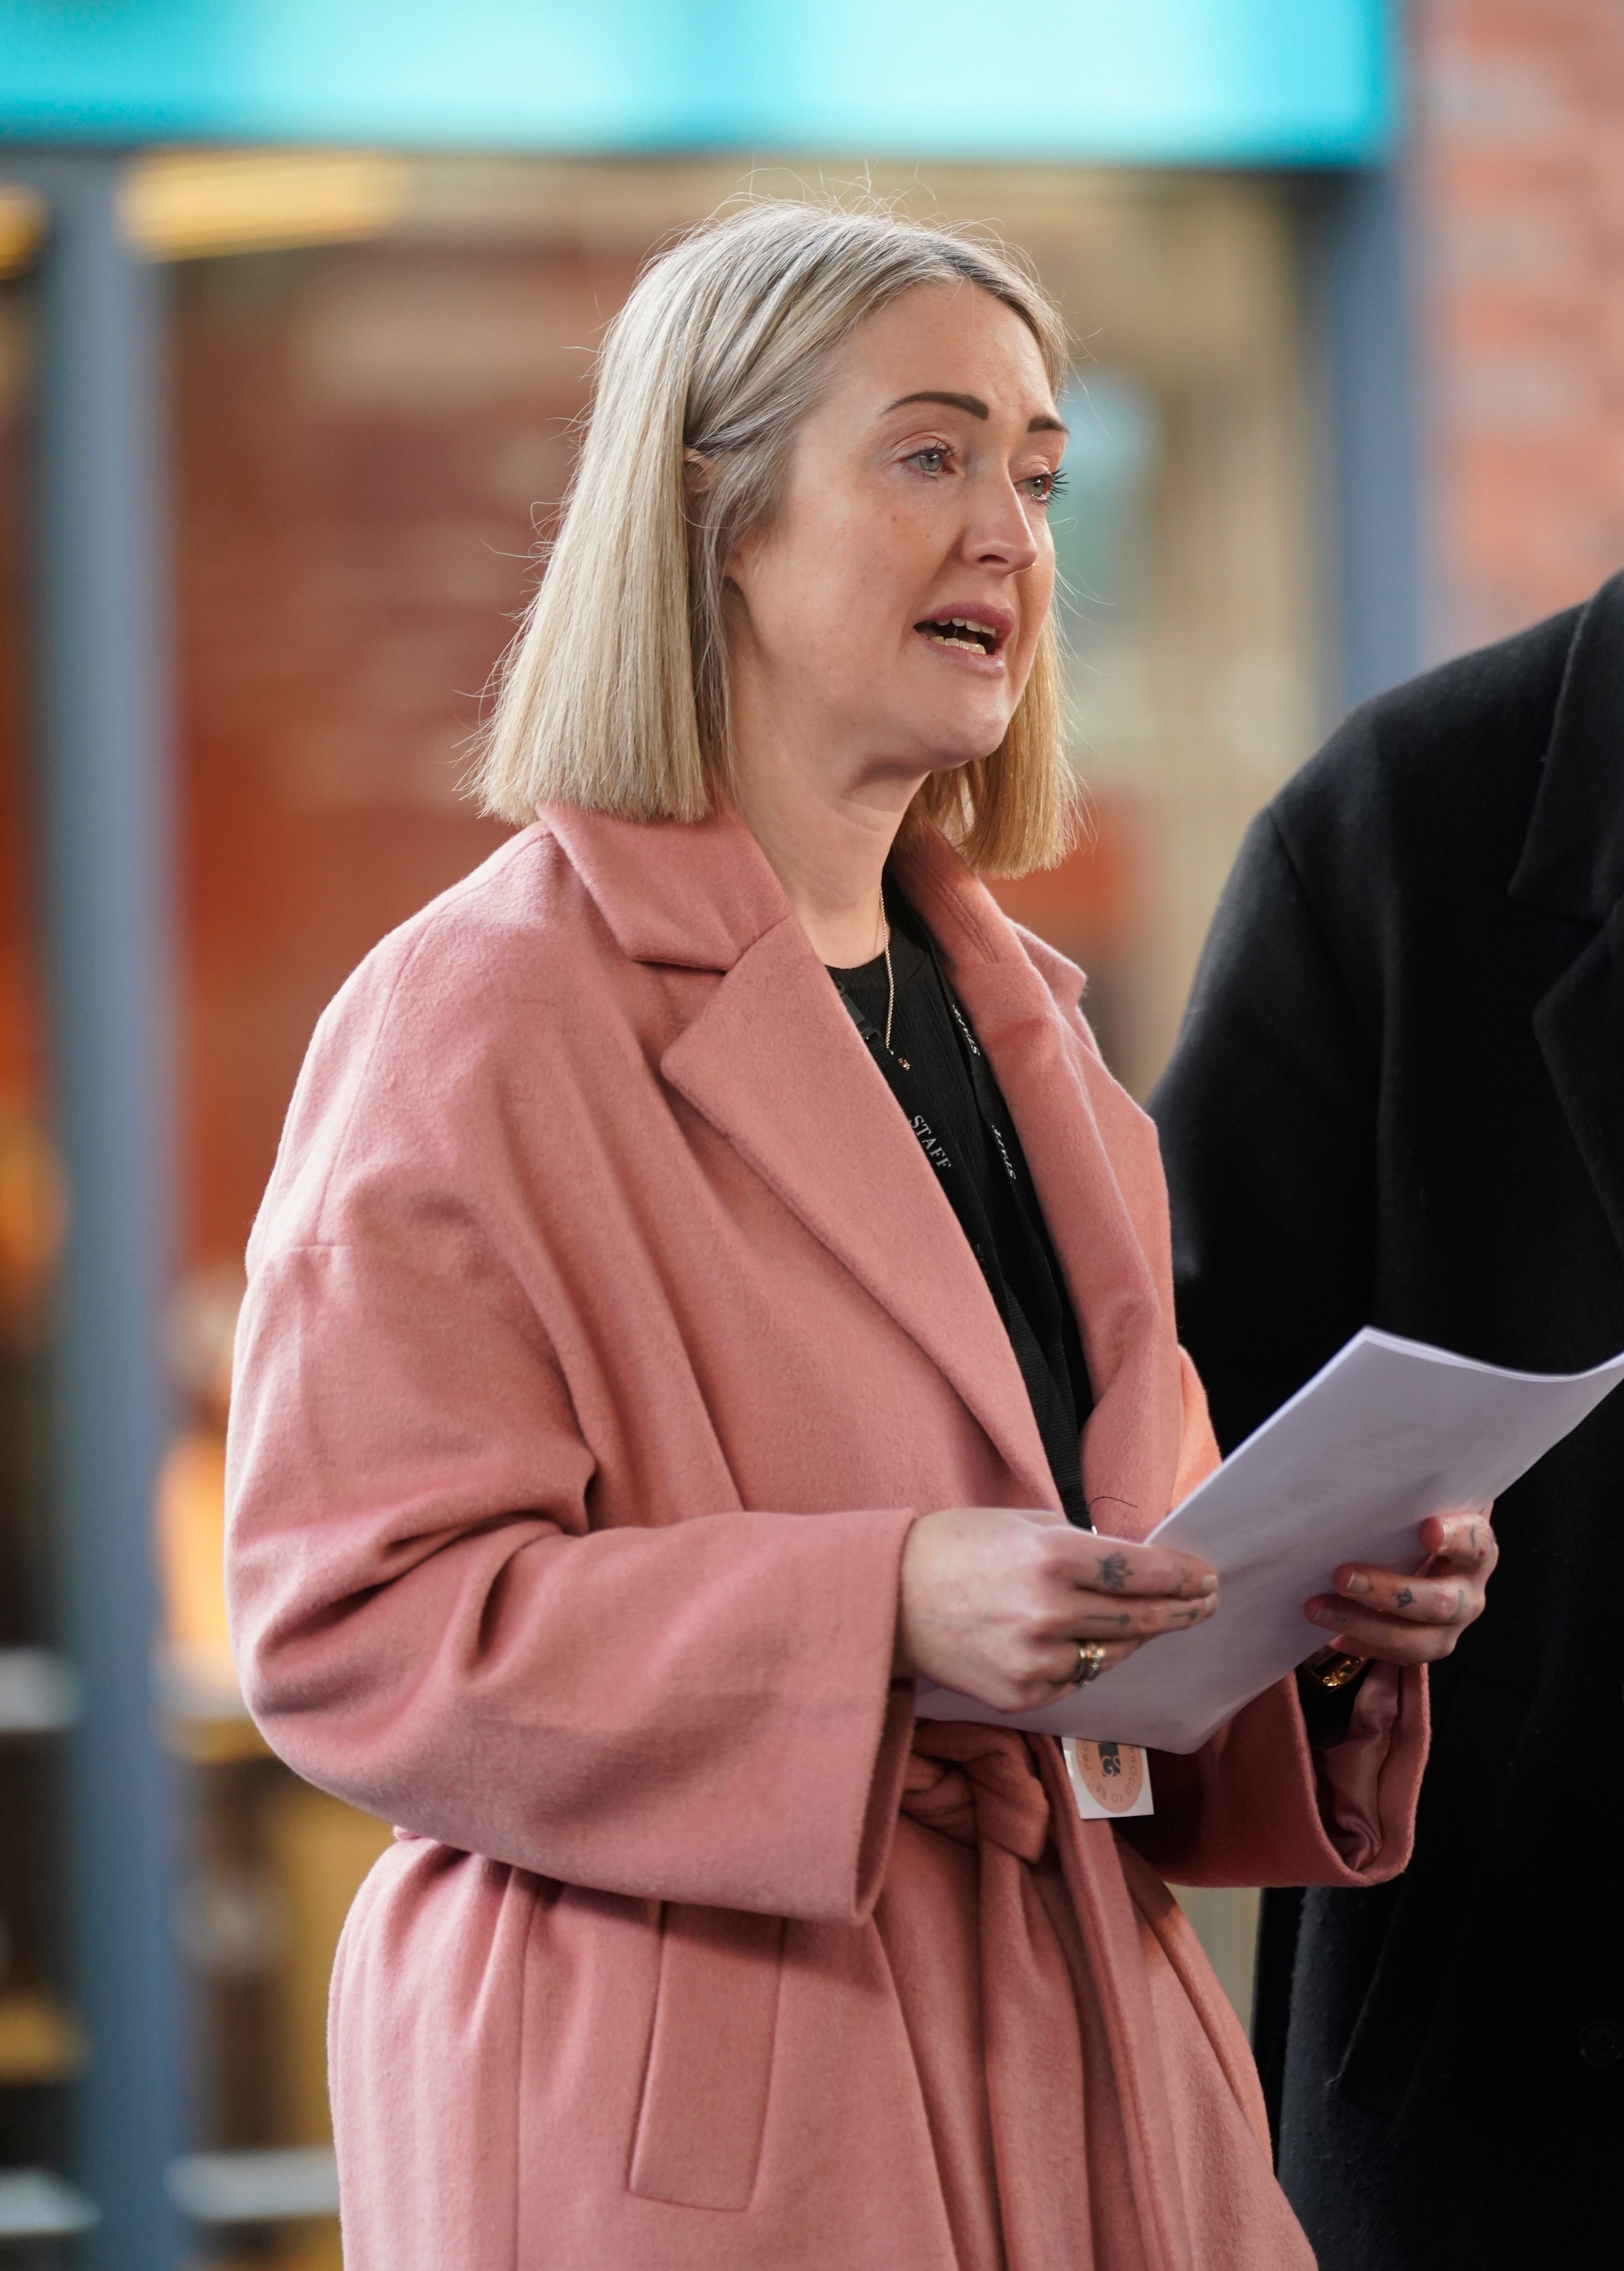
[{"x": 1111, "y": 1782}]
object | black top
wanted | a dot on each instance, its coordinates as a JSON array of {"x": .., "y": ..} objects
[{"x": 939, "y": 1076}]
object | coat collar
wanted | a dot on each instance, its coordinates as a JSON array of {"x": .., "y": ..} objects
[
  {"x": 773, "y": 1062},
  {"x": 1573, "y": 857},
  {"x": 695, "y": 895}
]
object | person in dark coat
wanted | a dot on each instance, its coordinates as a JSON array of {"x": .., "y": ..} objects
[{"x": 1397, "y": 1098}]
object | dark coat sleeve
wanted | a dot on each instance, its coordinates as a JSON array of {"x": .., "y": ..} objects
[
  {"x": 1266, "y": 1115},
  {"x": 1266, "y": 1122}
]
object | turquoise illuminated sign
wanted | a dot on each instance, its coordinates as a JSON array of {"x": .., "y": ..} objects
[{"x": 1153, "y": 82}]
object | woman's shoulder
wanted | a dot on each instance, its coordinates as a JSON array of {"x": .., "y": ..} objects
[
  {"x": 514, "y": 929},
  {"x": 410, "y": 1056}
]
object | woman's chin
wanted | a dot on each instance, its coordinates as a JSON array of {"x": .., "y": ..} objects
[
  {"x": 964, "y": 750},
  {"x": 922, "y": 746}
]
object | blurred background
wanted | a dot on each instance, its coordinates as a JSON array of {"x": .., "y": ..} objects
[{"x": 298, "y": 306}]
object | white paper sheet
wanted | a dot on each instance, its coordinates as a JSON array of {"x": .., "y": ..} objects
[{"x": 1389, "y": 1431}]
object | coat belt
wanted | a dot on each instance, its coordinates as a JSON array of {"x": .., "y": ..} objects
[{"x": 1082, "y": 2137}]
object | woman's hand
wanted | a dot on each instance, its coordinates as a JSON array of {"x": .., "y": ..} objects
[
  {"x": 1412, "y": 1619},
  {"x": 996, "y": 1602}
]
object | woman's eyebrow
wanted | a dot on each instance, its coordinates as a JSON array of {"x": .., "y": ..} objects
[
  {"x": 972, "y": 403},
  {"x": 976, "y": 407}
]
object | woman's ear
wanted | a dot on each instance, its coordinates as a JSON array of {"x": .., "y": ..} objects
[{"x": 698, "y": 479}]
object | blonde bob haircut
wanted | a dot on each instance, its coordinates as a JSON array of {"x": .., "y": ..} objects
[{"x": 614, "y": 694}]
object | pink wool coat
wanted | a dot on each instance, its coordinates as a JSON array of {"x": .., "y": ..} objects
[{"x": 606, "y": 1331}]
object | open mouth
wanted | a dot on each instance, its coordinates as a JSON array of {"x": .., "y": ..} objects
[{"x": 962, "y": 631}]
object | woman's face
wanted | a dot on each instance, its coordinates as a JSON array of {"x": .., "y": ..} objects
[{"x": 884, "y": 624}]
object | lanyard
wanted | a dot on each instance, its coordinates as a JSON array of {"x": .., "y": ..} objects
[{"x": 1037, "y": 1341}]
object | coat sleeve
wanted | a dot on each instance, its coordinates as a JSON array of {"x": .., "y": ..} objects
[
  {"x": 1267, "y": 1116},
  {"x": 1259, "y": 1805},
  {"x": 1266, "y": 1121},
  {"x": 428, "y": 1626}
]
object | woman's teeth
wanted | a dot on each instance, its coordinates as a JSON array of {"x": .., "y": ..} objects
[{"x": 959, "y": 630}]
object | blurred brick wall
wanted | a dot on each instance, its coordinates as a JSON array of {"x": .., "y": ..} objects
[
  {"x": 365, "y": 438},
  {"x": 1519, "y": 186}
]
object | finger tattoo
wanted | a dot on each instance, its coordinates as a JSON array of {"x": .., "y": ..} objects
[
  {"x": 1404, "y": 1598},
  {"x": 1113, "y": 1572}
]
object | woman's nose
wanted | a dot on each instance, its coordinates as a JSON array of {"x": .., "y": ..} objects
[{"x": 999, "y": 534}]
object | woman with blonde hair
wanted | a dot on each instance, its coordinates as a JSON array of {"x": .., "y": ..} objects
[{"x": 710, "y": 1283}]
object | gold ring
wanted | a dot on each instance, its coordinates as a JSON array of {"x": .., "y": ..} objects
[{"x": 1090, "y": 1662}]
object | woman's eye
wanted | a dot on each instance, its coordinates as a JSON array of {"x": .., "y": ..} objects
[
  {"x": 1045, "y": 486},
  {"x": 930, "y": 461}
]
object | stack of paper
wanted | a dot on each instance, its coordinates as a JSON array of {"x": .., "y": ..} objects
[{"x": 1389, "y": 1431}]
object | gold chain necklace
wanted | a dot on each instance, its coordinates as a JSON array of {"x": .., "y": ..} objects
[
  {"x": 891, "y": 983},
  {"x": 891, "y": 990}
]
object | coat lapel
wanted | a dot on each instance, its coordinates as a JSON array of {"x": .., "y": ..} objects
[
  {"x": 1572, "y": 864},
  {"x": 774, "y": 1064}
]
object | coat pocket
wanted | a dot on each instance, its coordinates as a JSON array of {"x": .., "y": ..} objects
[{"x": 704, "y": 2093}]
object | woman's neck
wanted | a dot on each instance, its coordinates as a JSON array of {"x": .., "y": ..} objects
[
  {"x": 827, "y": 841},
  {"x": 829, "y": 852}
]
